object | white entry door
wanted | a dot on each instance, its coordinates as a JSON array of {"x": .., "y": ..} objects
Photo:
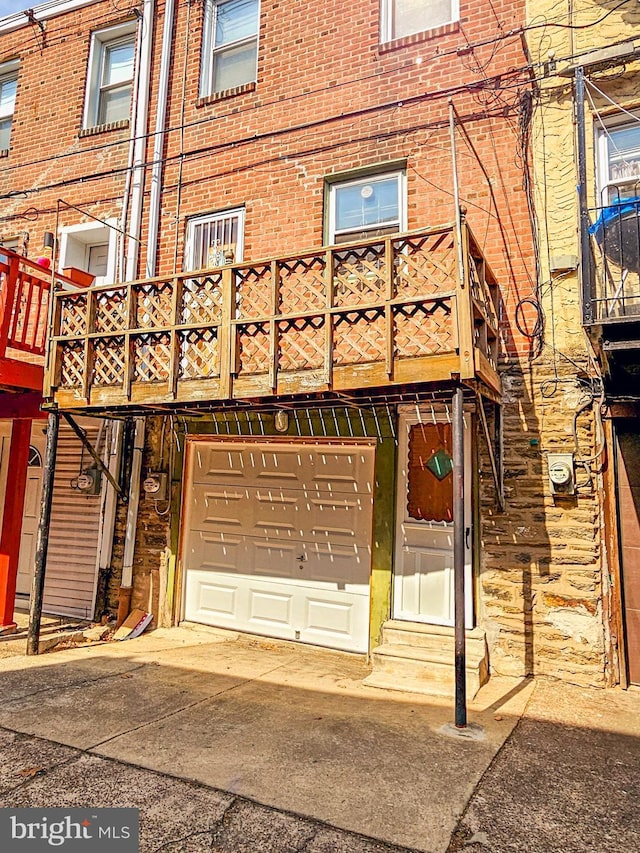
[
  {"x": 278, "y": 539},
  {"x": 423, "y": 587}
]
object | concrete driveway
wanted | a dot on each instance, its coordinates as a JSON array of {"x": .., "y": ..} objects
[{"x": 286, "y": 726}]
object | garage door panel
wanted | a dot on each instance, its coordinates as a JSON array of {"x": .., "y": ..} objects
[
  {"x": 218, "y": 464},
  {"x": 215, "y": 552},
  {"x": 210, "y": 598},
  {"x": 270, "y": 608},
  {"x": 284, "y": 541},
  {"x": 272, "y": 560}
]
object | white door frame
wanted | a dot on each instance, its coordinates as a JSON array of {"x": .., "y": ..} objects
[{"x": 409, "y": 416}]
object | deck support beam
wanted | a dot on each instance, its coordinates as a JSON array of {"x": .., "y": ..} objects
[
  {"x": 42, "y": 539},
  {"x": 459, "y": 532}
]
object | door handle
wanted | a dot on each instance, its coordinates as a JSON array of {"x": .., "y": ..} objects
[{"x": 467, "y": 533}]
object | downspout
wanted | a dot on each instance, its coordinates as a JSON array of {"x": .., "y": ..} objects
[
  {"x": 141, "y": 115},
  {"x": 585, "y": 252},
  {"x": 158, "y": 140},
  {"x": 126, "y": 193},
  {"x": 126, "y": 584}
]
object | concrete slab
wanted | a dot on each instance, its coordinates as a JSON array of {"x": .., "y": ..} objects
[
  {"x": 25, "y": 757},
  {"x": 567, "y": 781},
  {"x": 290, "y": 727}
]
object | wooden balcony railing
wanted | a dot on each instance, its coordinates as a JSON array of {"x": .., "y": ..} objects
[
  {"x": 24, "y": 303},
  {"x": 370, "y": 314}
]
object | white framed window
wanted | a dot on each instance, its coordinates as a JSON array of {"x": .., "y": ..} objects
[
  {"x": 91, "y": 247},
  {"x": 618, "y": 169},
  {"x": 230, "y": 45},
  {"x": 110, "y": 75},
  {"x": 8, "y": 90},
  {"x": 369, "y": 206},
  {"x": 399, "y": 18},
  {"x": 214, "y": 239}
]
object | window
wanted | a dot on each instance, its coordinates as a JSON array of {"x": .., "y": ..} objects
[
  {"x": 367, "y": 207},
  {"x": 619, "y": 166},
  {"x": 405, "y": 17},
  {"x": 214, "y": 240},
  {"x": 230, "y": 47},
  {"x": 8, "y": 89},
  {"x": 110, "y": 76}
]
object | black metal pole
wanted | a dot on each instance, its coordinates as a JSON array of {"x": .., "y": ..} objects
[
  {"x": 585, "y": 252},
  {"x": 458, "y": 556},
  {"x": 42, "y": 538}
]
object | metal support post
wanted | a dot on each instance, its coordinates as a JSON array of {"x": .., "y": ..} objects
[
  {"x": 42, "y": 538},
  {"x": 585, "y": 249},
  {"x": 458, "y": 557}
]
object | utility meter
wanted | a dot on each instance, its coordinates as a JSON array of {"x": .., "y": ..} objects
[
  {"x": 561, "y": 473},
  {"x": 89, "y": 481},
  {"x": 155, "y": 486}
]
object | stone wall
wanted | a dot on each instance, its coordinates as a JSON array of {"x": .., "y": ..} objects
[{"x": 541, "y": 580}]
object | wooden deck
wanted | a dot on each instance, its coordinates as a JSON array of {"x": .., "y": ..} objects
[{"x": 388, "y": 312}]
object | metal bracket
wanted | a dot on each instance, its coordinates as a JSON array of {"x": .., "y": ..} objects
[{"x": 91, "y": 450}]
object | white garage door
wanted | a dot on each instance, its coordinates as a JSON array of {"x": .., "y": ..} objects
[{"x": 278, "y": 540}]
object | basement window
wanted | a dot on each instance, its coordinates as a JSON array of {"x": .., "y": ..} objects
[
  {"x": 400, "y": 18},
  {"x": 110, "y": 76},
  {"x": 230, "y": 45}
]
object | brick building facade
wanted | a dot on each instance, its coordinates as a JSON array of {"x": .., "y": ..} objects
[{"x": 272, "y": 131}]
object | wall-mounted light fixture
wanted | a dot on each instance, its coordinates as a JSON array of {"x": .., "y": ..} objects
[{"x": 281, "y": 420}]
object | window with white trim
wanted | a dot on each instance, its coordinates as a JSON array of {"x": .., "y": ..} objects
[
  {"x": 230, "y": 45},
  {"x": 8, "y": 90},
  {"x": 214, "y": 239},
  {"x": 401, "y": 18},
  {"x": 110, "y": 75},
  {"x": 619, "y": 162},
  {"x": 91, "y": 247},
  {"x": 366, "y": 207}
]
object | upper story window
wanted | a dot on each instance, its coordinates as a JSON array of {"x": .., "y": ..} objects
[
  {"x": 367, "y": 207},
  {"x": 405, "y": 17},
  {"x": 214, "y": 240},
  {"x": 230, "y": 46},
  {"x": 8, "y": 89},
  {"x": 619, "y": 162},
  {"x": 110, "y": 75}
]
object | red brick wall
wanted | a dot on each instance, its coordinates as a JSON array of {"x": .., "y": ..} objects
[{"x": 328, "y": 98}]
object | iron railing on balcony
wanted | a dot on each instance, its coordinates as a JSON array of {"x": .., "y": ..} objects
[
  {"x": 373, "y": 313},
  {"x": 615, "y": 241}
]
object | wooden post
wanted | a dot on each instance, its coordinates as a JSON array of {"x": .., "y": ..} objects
[
  {"x": 12, "y": 520},
  {"x": 42, "y": 540}
]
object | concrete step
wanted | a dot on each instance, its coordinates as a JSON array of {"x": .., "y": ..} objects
[
  {"x": 435, "y": 637},
  {"x": 421, "y": 660}
]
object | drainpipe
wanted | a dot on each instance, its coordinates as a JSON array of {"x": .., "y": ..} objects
[
  {"x": 158, "y": 140},
  {"x": 140, "y": 117},
  {"x": 126, "y": 584},
  {"x": 585, "y": 253}
]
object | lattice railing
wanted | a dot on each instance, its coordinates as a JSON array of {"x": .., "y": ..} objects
[{"x": 347, "y": 316}]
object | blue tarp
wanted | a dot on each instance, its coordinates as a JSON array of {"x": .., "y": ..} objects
[{"x": 615, "y": 212}]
